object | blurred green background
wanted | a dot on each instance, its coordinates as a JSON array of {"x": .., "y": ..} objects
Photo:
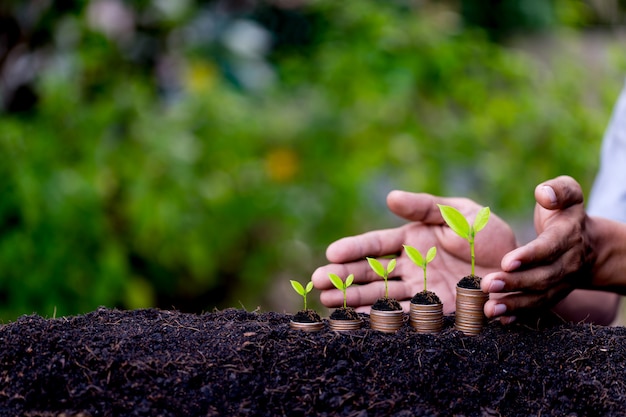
[{"x": 197, "y": 154}]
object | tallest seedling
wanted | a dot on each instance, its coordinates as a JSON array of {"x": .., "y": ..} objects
[{"x": 461, "y": 226}]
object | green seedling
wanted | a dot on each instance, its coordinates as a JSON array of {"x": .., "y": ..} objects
[
  {"x": 461, "y": 226},
  {"x": 303, "y": 291},
  {"x": 381, "y": 271},
  {"x": 419, "y": 260},
  {"x": 341, "y": 285}
]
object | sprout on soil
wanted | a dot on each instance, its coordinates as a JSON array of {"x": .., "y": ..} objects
[
  {"x": 341, "y": 285},
  {"x": 381, "y": 271},
  {"x": 461, "y": 226},
  {"x": 419, "y": 260},
  {"x": 303, "y": 291}
]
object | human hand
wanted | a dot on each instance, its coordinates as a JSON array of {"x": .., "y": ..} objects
[
  {"x": 544, "y": 271},
  {"x": 427, "y": 229}
]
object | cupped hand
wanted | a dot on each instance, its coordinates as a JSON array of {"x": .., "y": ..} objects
[
  {"x": 426, "y": 229},
  {"x": 544, "y": 271}
]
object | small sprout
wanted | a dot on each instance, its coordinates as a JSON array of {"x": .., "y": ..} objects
[
  {"x": 381, "y": 271},
  {"x": 303, "y": 291},
  {"x": 461, "y": 226},
  {"x": 343, "y": 286},
  {"x": 419, "y": 260}
]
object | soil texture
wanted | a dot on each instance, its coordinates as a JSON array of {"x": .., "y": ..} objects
[
  {"x": 426, "y": 298},
  {"x": 239, "y": 363},
  {"x": 387, "y": 304},
  {"x": 471, "y": 281},
  {"x": 345, "y": 313},
  {"x": 307, "y": 316}
]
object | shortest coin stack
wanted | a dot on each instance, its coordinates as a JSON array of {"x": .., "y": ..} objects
[
  {"x": 427, "y": 318},
  {"x": 307, "y": 327},
  {"x": 386, "y": 321},
  {"x": 344, "y": 325},
  {"x": 470, "y": 317}
]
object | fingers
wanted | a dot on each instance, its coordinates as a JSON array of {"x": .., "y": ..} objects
[
  {"x": 511, "y": 305},
  {"x": 538, "y": 279},
  {"x": 376, "y": 243},
  {"x": 559, "y": 193},
  {"x": 362, "y": 273},
  {"x": 421, "y": 207}
]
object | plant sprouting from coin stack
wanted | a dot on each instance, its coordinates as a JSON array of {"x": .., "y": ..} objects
[
  {"x": 342, "y": 285},
  {"x": 419, "y": 260},
  {"x": 382, "y": 272},
  {"x": 459, "y": 224},
  {"x": 302, "y": 290}
]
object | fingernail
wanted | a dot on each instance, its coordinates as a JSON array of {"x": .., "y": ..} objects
[
  {"x": 513, "y": 265},
  {"x": 499, "y": 309},
  {"x": 550, "y": 193},
  {"x": 496, "y": 285}
]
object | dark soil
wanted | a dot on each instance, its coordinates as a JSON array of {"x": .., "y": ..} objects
[
  {"x": 387, "y": 304},
  {"x": 238, "y": 363},
  {"x": 426, "y": 298},
  {"x": 470, "y": 281},
  {"x": 307, "y": 316},
  {"x": 347, "y": 313}
]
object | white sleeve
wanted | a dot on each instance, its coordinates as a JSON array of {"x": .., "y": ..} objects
[{"x": 608, "y": 195}]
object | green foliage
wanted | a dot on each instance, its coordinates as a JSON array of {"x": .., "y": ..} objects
[
  {"x": 342, "y": 285},
  {"x": 419, "y": 260},
  {"x": 170, "y": 166},
  {"x": 303, "y": 291},
  {"x": 381, "y": 271},
  {"x": 461, "y": 226}
]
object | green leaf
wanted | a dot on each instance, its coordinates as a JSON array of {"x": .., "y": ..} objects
[
  {"x": 376, "y": 266},
  {"x": 298, "y": 287},
  {"x": 455, "y": 220},
  {"x": 349, "y": 280},
  {"x": 414, "y": 255},
  {"x": 337, "y": 282},
  {"x": 432, "y": 252},
  {"x": 309, "y": 287},
  {"x": 391, "y": 266},
  {"x": 481, "y": 219}
]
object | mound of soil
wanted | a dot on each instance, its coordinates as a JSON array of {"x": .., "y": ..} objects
[{"x": 239, "y": 363}]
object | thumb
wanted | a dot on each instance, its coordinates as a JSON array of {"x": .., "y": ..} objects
[
  {"x": 419, "y": 207},
  {"x": 422, "y": 207},
  {"x": 559, "y": 193}
]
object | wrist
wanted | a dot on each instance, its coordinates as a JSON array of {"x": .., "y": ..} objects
[{"x": 606, "y": 244}]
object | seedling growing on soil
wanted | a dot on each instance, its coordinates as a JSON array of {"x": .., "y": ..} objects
[
  {"x": 419, "y": 260},
  {"x": 381, "y": 271},
  {"x": 341, "y": 285},
  {"x": 461, "y": 226},
  {"x": 303, "y": 291}
]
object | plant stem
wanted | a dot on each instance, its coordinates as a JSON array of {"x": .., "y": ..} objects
[
  {"x": 424, "y": 279},
  {"x": 472, "y": 253},
  {"x": 386, "y": 286},
  {"x": 304, "y": 296},
  {"x": 345, "y": 298}
]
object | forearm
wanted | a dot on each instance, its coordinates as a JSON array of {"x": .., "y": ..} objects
[
  {"x": 608, "y": 244},
  {"x": 589, "y": 306}
]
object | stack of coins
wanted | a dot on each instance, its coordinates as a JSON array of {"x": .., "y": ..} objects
[
  {"x": 427, "y": 318},
  {"x": 386, "y": 321},
  {"x": 345, "y": 325},
  {"x": 307, "y": 327},
  {"x": 470, "y": 317}
]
